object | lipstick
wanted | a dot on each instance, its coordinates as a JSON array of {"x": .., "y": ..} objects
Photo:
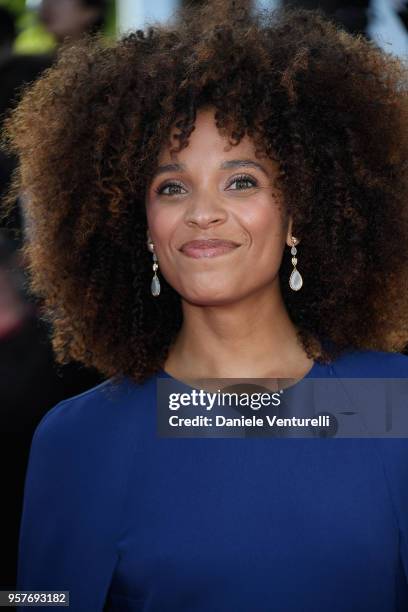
[{"x": 208, "y": 248}]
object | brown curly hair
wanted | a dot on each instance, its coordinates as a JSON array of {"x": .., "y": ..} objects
[{"x": 332, "y": 108}]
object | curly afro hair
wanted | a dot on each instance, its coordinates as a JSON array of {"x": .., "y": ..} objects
[{"x": 332, "y": 108}]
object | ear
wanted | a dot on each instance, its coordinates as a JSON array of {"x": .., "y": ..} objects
[{"x": 289, "y": 235}]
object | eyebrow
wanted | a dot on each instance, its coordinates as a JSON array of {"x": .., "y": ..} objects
[{"x": 232, "y": 163}]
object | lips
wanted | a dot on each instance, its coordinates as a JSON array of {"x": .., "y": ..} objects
[{"x": 208, "y": 248}]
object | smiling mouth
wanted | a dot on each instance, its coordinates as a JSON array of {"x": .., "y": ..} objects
[{"x": 199, "y": 249}]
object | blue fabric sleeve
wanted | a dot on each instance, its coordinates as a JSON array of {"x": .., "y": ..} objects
[{"x": 74, "y": 494}]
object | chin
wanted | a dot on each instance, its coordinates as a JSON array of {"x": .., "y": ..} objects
[{"x": 208, "y": 298}]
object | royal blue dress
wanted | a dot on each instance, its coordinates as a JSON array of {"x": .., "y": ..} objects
[{"x": 125, "y": 520}]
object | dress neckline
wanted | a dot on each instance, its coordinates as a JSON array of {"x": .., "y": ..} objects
[{"x": 315, "y": 371}]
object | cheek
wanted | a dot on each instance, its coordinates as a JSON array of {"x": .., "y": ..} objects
[
  {"x": 266, "y": 226},
  {"x": 162, "y": 221}
]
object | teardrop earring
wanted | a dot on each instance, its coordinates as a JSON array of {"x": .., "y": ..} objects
[
  {"x": 155, "y": 284},
  {"x": 295, "y": 280}
]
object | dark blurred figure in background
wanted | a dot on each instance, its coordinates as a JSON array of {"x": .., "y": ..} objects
[
  {"x": 30, "y": 381},
  {"x": 352, "y": 15},
  {"x": 7, "y": 34},
  {"x": 30, "y": 384},
  {"x": 401, "y": 8},
  {"x": 63, "y": 18},
  {"x": 15, "y": 72}
]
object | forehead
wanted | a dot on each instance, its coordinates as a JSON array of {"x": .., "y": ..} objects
[{"x": 206, "y": 141}]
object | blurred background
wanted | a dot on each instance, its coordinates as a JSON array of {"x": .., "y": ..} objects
[
  {"x": 30, "y": 381},
  {"x": 38, "y": 25}
]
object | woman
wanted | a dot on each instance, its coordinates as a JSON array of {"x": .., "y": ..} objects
[
  {"x": 63, "y": 18},
  {"x": 224, "y": 196}
]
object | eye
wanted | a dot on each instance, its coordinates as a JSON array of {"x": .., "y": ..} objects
[
  {"x": 244, "y": 181},
  {"x": 173, "y": 188}
]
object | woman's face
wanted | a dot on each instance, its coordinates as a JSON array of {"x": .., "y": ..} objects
[
  {"x": 67, "y": 17},
  {"x": 211, "y": 190}
]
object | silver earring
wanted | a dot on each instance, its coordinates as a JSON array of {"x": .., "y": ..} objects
[
  {"x": 155, "y": 284},
  {"x": 295, "y": 280}
]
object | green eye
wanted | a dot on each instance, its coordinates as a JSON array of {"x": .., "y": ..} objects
[
  {"x": 173, "y": 189},
  {"x": 242, "y": 182}
]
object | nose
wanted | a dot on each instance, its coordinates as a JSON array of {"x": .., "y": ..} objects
[{"x": 204, "y": 210}]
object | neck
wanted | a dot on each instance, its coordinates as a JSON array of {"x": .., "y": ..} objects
[{"x": 252, "y": 338}]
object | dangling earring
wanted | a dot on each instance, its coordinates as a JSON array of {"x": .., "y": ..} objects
[
  {"x": 155, "y": 285},
  {"x": 295, "y": 280}
]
